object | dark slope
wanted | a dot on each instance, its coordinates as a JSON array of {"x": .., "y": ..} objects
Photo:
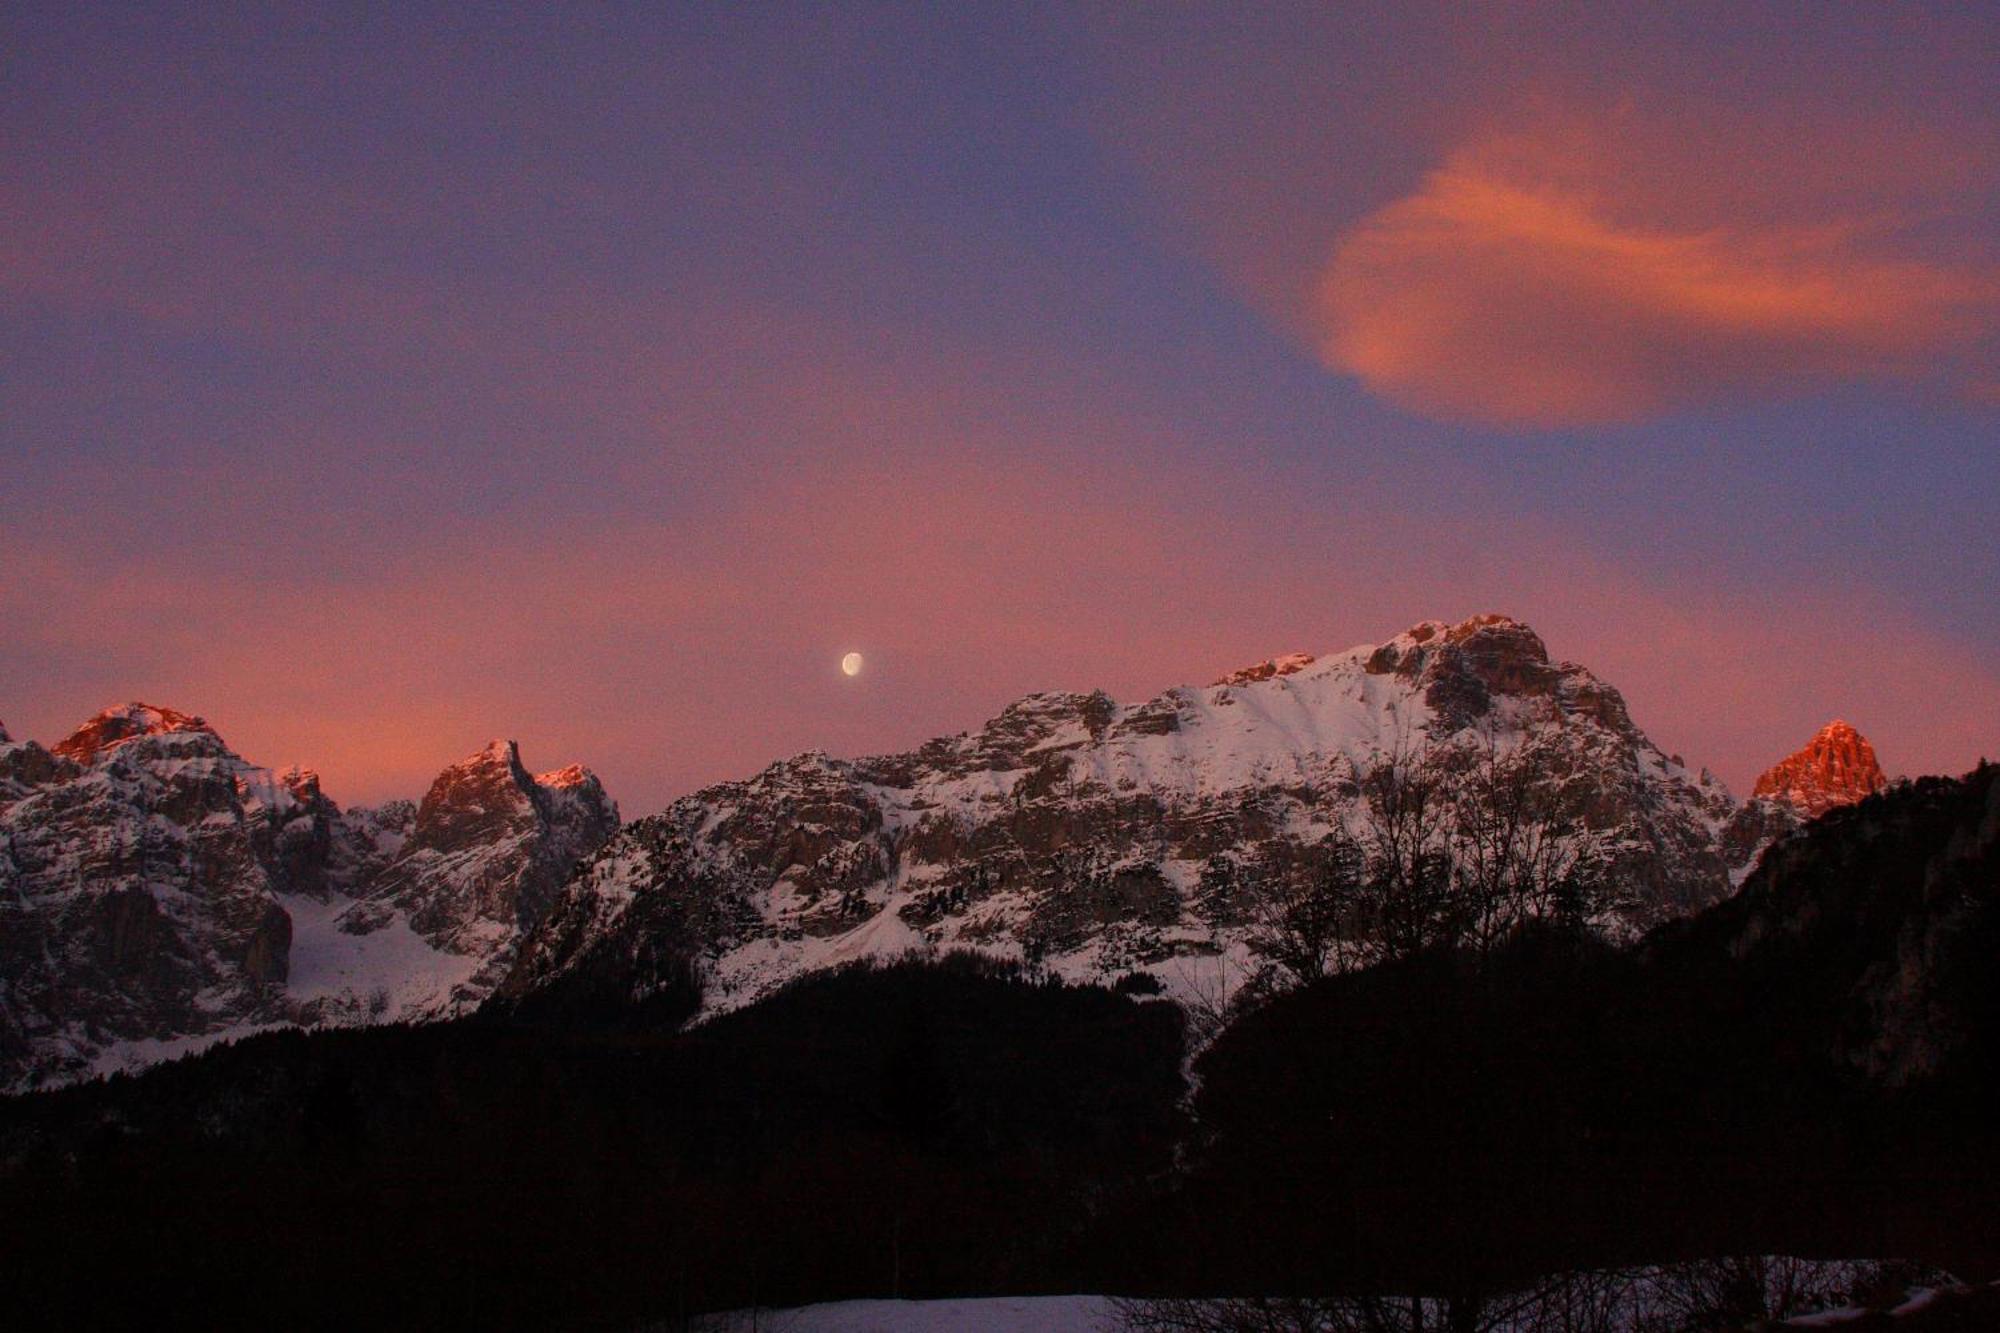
[{"x": 912, "y": 1129}]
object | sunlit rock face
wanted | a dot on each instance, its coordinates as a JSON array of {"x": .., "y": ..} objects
[
  {"x": 115, "y": 726},
  {"x": 157, "y": 891},
  {"x": 487, "y": 850},
  {"x": 1102, "y": 838},
  {"x": 1837, "y": 767}
]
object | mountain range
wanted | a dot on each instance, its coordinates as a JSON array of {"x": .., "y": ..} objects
[{"x": 159, "y": 892}]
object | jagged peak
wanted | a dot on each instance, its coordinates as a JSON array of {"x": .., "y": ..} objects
[
  {"x": 124, "y": 722},
  {"x": 5, "y": 739},
  {"x": 1491, "y": 622},
  {"x": 496, "y": 752},
  {"x": 471, "y": 798},
  {"x": 572, "y": 775},
  {"x": 502, "y": 759},
  {"x": 1416, "y": 646},
  {"x": 1836, "y": 767},
  {"x": 301, "y": 782},
  {"x": 1268, "y": 669},
  {"x": 1043, "y": 701}
]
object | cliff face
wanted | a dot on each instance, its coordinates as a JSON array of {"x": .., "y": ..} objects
[
  {"x": 140, "y": 867},
  {"x": 485, "y": 853},
  {"x": 1837, "y": 767}
]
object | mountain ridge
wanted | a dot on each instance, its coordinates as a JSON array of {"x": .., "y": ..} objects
[
  {"x": 1073, "y": 832},
  {"x": 161, "y": 892},
  {"x": 1099, "y": 839}
]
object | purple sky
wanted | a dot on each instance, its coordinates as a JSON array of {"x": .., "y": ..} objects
[{"x": 376, "y": 383}]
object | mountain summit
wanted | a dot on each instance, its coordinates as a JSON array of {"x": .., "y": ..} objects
[
  {"x": 1837, "y": 767},
  {"x": 488, "y": 848},
  {"x": 1100, "y": 839},
  {"x": 124, "y": 722}
]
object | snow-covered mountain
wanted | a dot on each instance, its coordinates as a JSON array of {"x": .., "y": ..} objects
[
  {"x": 158, "y": 891},
  {"x": 1102, "y": 839}
]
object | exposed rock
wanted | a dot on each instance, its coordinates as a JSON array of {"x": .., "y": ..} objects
[
  {"x": 1837, "y": 767},
  {"x": 1268, "y": 669},
  {"x": 24, "y": 766},
  {"x": 483, "y": 858},
  {"x": 116, "y": 725},
  {"x": 138, "y": 892}
]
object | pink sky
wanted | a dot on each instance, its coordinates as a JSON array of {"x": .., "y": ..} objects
[{"x": 376, "y": 390}]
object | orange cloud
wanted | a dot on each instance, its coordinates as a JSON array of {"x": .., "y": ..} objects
[{"x": 1568, "y": 278}]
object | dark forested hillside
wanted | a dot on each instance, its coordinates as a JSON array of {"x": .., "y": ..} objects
[
  {"x": 914, "y": 1129},
  {"x": 1808, "y": 1066}
]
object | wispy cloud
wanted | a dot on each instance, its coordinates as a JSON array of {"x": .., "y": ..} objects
[{"x": 1543, "y": 279}]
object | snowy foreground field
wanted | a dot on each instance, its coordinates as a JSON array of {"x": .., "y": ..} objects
[
  {"x": 996, "y": 1314},
  {"x": 1796, "y": 1294}
]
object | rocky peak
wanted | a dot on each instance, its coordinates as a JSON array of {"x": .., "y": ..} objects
[
  {"x": 576, "y": 775},
  {"x": 1837, "y": 767},
  {"x": 1268, "y": 669},
  {"x": 301, "y": 783},
  {"x": 1038, "y": 722},
  {"x": 25, "y": 766},
  {"x": 488, "y": 849},
  {"x": 480, "y": 797},
  {"x": 1494, "y": 639},
  {"x": 1461, "y": 667},
  {"x": 121, "y": 723},
  {"x": 1096, "y": 837}
]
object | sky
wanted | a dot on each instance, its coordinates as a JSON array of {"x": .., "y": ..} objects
[{"x": 376, "y": 381}]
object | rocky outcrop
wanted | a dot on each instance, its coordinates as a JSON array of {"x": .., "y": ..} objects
[
  {"x": 483, "y": 857},
  {"x": 25, "y": 766},
  {"x": 115, "y": 726},
  {"x": 158, "y": 891},
  {"x": 1837, "y": 767},
  {"x": 1098, "y": 838},
  {"x": 1267, "y": 669}
]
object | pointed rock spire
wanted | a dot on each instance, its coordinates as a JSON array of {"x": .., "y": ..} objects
[{"x": 1837, "y": 767}]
